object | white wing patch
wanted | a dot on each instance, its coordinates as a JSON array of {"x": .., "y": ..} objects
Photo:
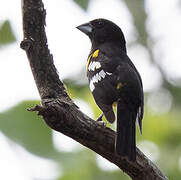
[
  {"x": 98, "y": 65},
  {"x": 94, "y": 65},
  {"x": 96, "y": 78},
  {"x": 108, "y": 73},
  {"x": 102, "y": 74},
  {"x": 91, "y": 86}
]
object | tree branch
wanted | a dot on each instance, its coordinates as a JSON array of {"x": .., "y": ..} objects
[{"x": 59, "y": 111}]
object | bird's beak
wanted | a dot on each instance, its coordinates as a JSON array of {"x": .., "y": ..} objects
[{"x": 85, "y": 28}]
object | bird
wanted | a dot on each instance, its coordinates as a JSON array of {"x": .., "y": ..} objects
[{"x": 114, "y": 80}]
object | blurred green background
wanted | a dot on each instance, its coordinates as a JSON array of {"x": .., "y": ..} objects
[{"x": 161, "y": 139}]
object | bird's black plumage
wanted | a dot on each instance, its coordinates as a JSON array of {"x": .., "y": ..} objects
[{"x": 113, "y": 78}]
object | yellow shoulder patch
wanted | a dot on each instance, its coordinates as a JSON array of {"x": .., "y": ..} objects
[
  {"x": 119, "y": 85},
  {"x": 95, "y": 53},
  {"x": 88, "y": 61}
]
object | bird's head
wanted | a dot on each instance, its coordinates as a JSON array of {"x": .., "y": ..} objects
[{"x": 103, "y": 31}]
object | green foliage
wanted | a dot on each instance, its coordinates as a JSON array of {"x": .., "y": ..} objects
[
  {"x": 6, "y": 34},
  {"x": 30, "y": 131},
  {"x": 27, "y": 129},
  {"x": 82, "y": 3}
]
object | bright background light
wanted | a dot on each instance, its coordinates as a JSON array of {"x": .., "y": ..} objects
[{"x": 70, "y": 49}]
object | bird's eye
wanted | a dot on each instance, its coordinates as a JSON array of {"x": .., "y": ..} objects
[{"x": 100, "y": 24}]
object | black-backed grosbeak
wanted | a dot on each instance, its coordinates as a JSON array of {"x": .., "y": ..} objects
[{"x": 114, "y": 79}]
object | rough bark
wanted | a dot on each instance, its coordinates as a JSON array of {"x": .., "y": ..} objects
[{"x": 59, "y": 111}]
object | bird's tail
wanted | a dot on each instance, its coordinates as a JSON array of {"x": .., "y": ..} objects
[{"x": 125, "y": 141}]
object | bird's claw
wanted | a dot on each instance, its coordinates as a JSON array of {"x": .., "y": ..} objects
[{"x": 102, "y": 123}]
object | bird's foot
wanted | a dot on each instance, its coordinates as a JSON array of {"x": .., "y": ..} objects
[{"x": 100, "y": 121}]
